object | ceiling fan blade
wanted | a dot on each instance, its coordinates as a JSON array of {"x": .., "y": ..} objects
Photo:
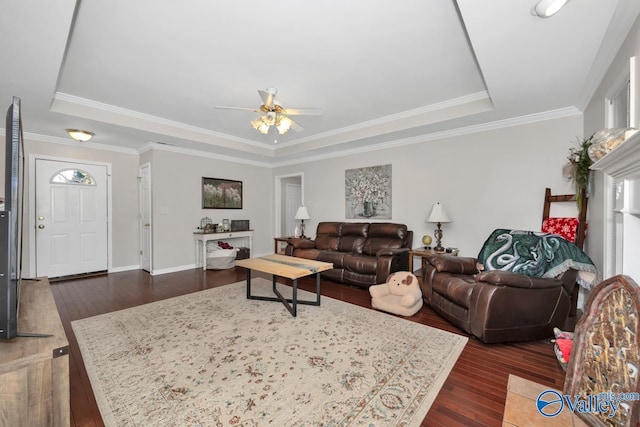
[
  {"x": 237, "y": 108},
  {"x": 303, "y": 111},
  {"x": 267, "y": 96},
  {"x": 296, "y": 126}
]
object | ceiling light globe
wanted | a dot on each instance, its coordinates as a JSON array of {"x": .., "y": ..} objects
[
  {"x": 547, "y": 8},
  {"x": 284, "y": 124},
  {"x": 80, "y": 135},
  {"x": 256, "y": 123},
  {"x": 263, "y": 128}
]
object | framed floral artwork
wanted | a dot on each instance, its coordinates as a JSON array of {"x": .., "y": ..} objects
[
  {"x": 368, "y": 192},
  {"x": 221, "y": 193}
]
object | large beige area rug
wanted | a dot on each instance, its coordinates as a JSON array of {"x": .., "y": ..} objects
[{"x": 214, "y": 358}]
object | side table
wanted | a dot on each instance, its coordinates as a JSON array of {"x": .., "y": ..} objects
[
  {"x": 423, "y": 253},
  {"x": 278, "y": 240}
]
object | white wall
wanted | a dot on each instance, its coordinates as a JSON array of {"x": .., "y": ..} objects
[
  {"x": 486, "y": 180},
  {"x": 176, "y": 181}
]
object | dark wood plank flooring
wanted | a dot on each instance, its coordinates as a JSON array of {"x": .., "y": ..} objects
[{"x": 473, "y": 395}]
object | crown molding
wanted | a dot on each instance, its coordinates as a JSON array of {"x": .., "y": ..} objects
[
  {"x": 89, "y": 109},
  {"x": 65, "y": 141},
  {"x": 466, "y": 100},
  {"x": 198, "y": 153},
  {"x": 484, "y": 127}
]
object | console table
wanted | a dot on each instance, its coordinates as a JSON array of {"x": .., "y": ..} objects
[
  {"x": 201, "y": 240},
  {"x": 34, "y": 372}
]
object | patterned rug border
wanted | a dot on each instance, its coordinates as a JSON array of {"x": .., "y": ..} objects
[{"x": 263, "y": 286}]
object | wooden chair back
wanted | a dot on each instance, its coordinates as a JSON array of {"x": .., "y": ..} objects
[{"x": 581, "y": 233}]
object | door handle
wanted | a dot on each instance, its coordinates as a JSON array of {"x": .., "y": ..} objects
[{"x": 41, "y": 226}]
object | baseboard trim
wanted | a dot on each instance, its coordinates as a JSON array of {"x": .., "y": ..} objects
[
  {"x": 124, "y": 268},
  {"x": 172, "y": 269}
]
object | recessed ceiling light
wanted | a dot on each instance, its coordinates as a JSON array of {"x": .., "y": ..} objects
[
  {"x": 547, "y": 8},
  {"x": 80, "y": 135}
]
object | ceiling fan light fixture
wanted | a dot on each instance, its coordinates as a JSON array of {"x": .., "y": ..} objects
[
  {"x": 80, "y": 135},
  {"x": 263, "y": 128},
  {"x": 274, "y": 114},
  {"x": 547, "y": 8},
  {"x": 269, "y": 118},
  {"x": 284, "y": 124},
  {"x": 256, "y": 122}
]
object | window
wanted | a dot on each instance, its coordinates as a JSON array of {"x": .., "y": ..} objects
[
  {"x": 618, "y": 114},
  {"x": 74, "y": 177}
]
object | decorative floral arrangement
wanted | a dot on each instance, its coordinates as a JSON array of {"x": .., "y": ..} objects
[
  {"x": 368, "y": 186},
  {"x": 578, "y": 168}
]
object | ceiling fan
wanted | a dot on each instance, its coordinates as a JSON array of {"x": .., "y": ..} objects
[{"x": 274, "y": 114}]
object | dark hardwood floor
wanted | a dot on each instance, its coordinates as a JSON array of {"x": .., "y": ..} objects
[{"x": 473, "y": 395}]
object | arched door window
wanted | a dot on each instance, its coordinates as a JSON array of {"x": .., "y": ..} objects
[{"x": 73, "y": 176}]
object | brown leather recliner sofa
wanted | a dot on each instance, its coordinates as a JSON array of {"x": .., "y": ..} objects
[
  {"x": 362, "y": 254},
  {"x": 496, "y": 306}
]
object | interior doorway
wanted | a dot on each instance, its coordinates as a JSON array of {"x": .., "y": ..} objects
[{"x": 289, "y": 195}]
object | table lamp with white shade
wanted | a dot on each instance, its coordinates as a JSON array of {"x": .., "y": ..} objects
[
  {"x": 438, "y": 215},
  {"x": 302, "y": 214}
]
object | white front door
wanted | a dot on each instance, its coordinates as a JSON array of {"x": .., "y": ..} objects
[
  {"x": 71, "y": 218},
  {"x": 145, "y": 217}
]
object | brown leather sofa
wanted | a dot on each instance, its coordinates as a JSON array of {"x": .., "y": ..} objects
[
  {"x": 362, "y": 254},
  {"x": 496, "y": 306}
]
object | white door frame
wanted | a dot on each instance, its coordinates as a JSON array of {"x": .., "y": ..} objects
[
  {"x": 31, "y": 220},
  {"x": 278, "y": 198},
  {"x": 289, "y": 189},
  {"x": 141, "y": 225}
]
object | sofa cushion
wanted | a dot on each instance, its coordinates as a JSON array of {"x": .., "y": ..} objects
[
  {"x": 327, "y": 243},
  {"x": 373, "y": 244},
  {"x": 328, "y": 236},
  {"x": 456, "y": 288},
  {"x": 387, "y": 229},
  {"x": 384, "y": 235},
  {"x": 306, "y": 253},
  {"x": 353, "y": 244},
  {"x": 364, "y": 264},
  {"x": 330, "y": 228},
  {"x": 355, "y": 229},
  {"x": 334, "y": 257},
  {"x": 453, "y": 264},
  {"x": 507, "y": 278}
]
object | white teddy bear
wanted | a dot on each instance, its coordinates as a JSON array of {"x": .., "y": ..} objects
[{"x": 400, "y": 295}]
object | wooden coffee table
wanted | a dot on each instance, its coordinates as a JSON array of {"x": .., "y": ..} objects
[{"x": 289, "y": 267}]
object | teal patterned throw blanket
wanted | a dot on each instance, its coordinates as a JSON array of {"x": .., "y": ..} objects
[{"x": 536, "y": 254}]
